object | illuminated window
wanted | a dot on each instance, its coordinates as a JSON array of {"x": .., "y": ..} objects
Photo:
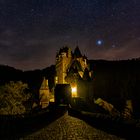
[
  {"x": 56, "y": 80},
  {"x": 74, "y": 91}
]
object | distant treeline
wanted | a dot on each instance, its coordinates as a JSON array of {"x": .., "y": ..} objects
[
  {"x": 117, "y": 81},
  {"x": 33, "y": 78}
]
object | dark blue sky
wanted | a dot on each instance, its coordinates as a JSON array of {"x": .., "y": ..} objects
[{"x": 31, "y": 31}]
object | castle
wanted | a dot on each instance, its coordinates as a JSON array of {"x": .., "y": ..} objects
[{"x": 72, "y": 68}]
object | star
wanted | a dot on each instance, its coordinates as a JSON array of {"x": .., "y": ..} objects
[
  {"x": 99, "y": 42},
  {"x": 113, "y": 46}
]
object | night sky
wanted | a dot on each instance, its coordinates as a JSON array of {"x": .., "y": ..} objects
[{"x": 32, "y": 31}]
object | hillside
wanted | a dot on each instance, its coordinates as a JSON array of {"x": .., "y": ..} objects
[
  {"x": 33, "y": 78},
  {"x": 117, "y": 81}
]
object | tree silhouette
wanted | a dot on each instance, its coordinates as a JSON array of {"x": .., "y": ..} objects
[{"x": 12, "y": 98}]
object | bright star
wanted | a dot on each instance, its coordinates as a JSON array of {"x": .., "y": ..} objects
[{"x": 99, "y": 42}]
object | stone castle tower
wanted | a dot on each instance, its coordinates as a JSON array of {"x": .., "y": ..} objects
[
  {"x": 44, "y": 94},
  {"x": 63, "y": 60}
]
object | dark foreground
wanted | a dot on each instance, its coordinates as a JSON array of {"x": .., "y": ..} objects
[
  {"x": 70, "y": 128},
  {"x": 60, "y": 124}
]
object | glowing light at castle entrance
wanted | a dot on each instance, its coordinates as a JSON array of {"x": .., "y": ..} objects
[{"x": 74, "y": 91}]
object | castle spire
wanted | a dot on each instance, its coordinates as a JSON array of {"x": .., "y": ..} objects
[
  {"x": 44, "y": 84},
  {"x": 77, "y": 52}
]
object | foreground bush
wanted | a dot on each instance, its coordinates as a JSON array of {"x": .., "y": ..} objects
[{"x": 13, "y": 97}]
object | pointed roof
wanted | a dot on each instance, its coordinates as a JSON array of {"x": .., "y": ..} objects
[
  {"x": 44, "y": 84},
  {"x": 72, "y": 75},
  {"x": 84, "y": 57},
  {"x": 86, "y": 75},
  {"x": 72, "y": 70},
  {"x": 76, "y": 65},
  {"x": 64, "y": 49},
  {"x": 77, "y": 52}
]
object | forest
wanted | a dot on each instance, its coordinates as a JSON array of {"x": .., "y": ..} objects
[{"x": 117, "y": 81}]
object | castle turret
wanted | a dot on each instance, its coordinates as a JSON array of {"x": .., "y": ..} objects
[
  {"x": 63, "y": 59},
  {"x": 44, "y": 94},
  {"x": 77, "y": 53}
]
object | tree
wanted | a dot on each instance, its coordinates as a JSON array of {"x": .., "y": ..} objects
[{"x": 12, "y": 98}]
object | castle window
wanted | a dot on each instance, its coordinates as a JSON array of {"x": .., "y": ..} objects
[
  {"x": 74, "y": 91},
  {"x": 56, "y": 79}
]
